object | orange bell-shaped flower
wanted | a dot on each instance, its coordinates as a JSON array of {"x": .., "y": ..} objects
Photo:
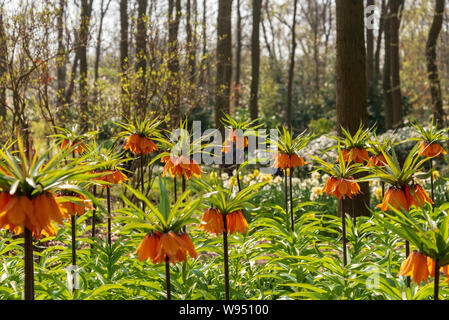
[{"x": 415, "y": 266}]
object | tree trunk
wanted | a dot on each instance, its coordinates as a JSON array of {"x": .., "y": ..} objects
[
  {"x": 224, "y": 61},
  {"x": 395, "y": 64},
  {"x": 351, "y": 83},
  {"x": 141, "y": 58},
  {"x": 432, "y": 68},
  {"x": 388, "y": 98},
  {"x": 291, "y": 69},
  {"x": 61, "y": 65},
  {"x": 370, "y": 54},
  {"x": 174, "y": 13},
  {"x": 204, "y": 53},
  {"x": 124, "y": 56},
  {"x": 255, "y": 59},
  {"x": 86, "y": 10},
  {"x": 379, "y": 45},
  {"x": 238, "y": 64},
  {"x": 3, "y": 57},
  {"x": 191, "y": 53}
]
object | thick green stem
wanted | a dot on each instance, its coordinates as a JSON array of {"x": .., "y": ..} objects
[
  {"x": 407, "y": 253},
  {"x": 94, "y": 211},
  {"x": 285, "y": 192}
]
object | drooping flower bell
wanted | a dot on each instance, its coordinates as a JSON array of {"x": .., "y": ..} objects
[
  {"x": 341, "y": 187},
  {"x": 180, "y": 166},
  {"x": 286, "y": 161},
  {"x": 356, "y": 155},
  {"x": 36, "y": 214},
  {"x": 241, "y": 142},
  {"x": 79, "y": 147},
  {"x": 415, "y": 266},
  {"x": 77, "y": 208},
  {"x": 378, "y": 161},
  {"x": 159, "y": 246},
  {"x": 431, "y": 267},
  {"x": 430, "y": 149},
  {"x": 113, "y": 177},
  {"x": 213, "y": 222},
  {"x": 138, "y": 144},
  {"x": 403, "y": 198}
]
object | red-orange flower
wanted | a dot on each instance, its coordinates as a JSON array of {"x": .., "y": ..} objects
[
  {"x": 430, "y": 150},
  {"x": 241, "y": 142},
  {"x": 212, "y": 221},
  {"x": 396, "y": 197},
  {"x": 138, "y": 144},
  {"x": 80, "y": 147},
  {"x": 378, "y": 161},
  {"x": 236, "y": 221},
  {"x": 431, "y": 266},
  {"x": 419, "y": 196},
  {"x": 113, "y": 176},
  {"x": 341, "y": 187},
  {"x": 181, "y": 166},
  {"x": 36, "y": 214},
  {"x": 158, "y": 247},
  {"x": 284, "y": 161},
  {"x": 358, "y": 155},
  {"x": 415, "y": 266},
  {"x": 77, "y": 208}
]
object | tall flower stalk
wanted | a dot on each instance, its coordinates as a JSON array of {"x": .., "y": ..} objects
[
  {"x": 287, "y": 158},
  {"x": 403, "y": 191},
  {"x": 430, "y": 146},
  {"x": 237, "y": 139},
  {"x": 165, "y": 241},
  {"x": 140, "y": 137},
  {"x": 224, "y": 215},
  {"x": 341, "y": 184},
  {"x": 28, "y": 204}
]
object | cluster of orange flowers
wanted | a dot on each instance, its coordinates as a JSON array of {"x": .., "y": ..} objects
[
  {"x": 138, "y": 144},
  {"x": 430, "y": 150},
  {"x": 80, "y": 147},
  {"x": 378, "y": 161},
  {"x": 241, "y": 142},
  {"x": 181, "y": 166},
  {"x": 341, "y": 187},
  {"x": 419, "y": 267},
  {"x": 213, "y": 222},
  {"x": 284, "y": 161},
  {"x": 402, "y": 198},
  {"x": 36, "y": 214},
  {"x": 160, "y": 247}
]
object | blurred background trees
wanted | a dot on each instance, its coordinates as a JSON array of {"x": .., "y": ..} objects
[{"x": 92, "y": 62}]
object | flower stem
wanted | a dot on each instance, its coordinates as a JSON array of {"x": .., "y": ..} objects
[
  {"x": 167, "y": 278},
  {"x": 73, "y": 217},
  {"x": 285, "y": 191},
  {"x": 94, "y": 211},
  {"x": 108, "y": 190},
  {"x": 29, "y": 272},
  {"x": 292, "y": 218},
  {"x": 437, "y": 280},
  {"x": 343, "y": 231},
  {"x": 226, "y": 257},
  {"x": 238, "y": 177},
  {"x": 407, "y": 253},
  {"x": 142, "y": 180},
  {"x": 431, "y": 181},
  {"x": 175, "y": 187}
]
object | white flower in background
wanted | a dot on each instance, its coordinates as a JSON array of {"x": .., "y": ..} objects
[
  {"x": 225, "y": 176},
  {"x": 316, "y": 193},
  {"x": 316, "y": 175},
  {"x": 278, "y": 180}
]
